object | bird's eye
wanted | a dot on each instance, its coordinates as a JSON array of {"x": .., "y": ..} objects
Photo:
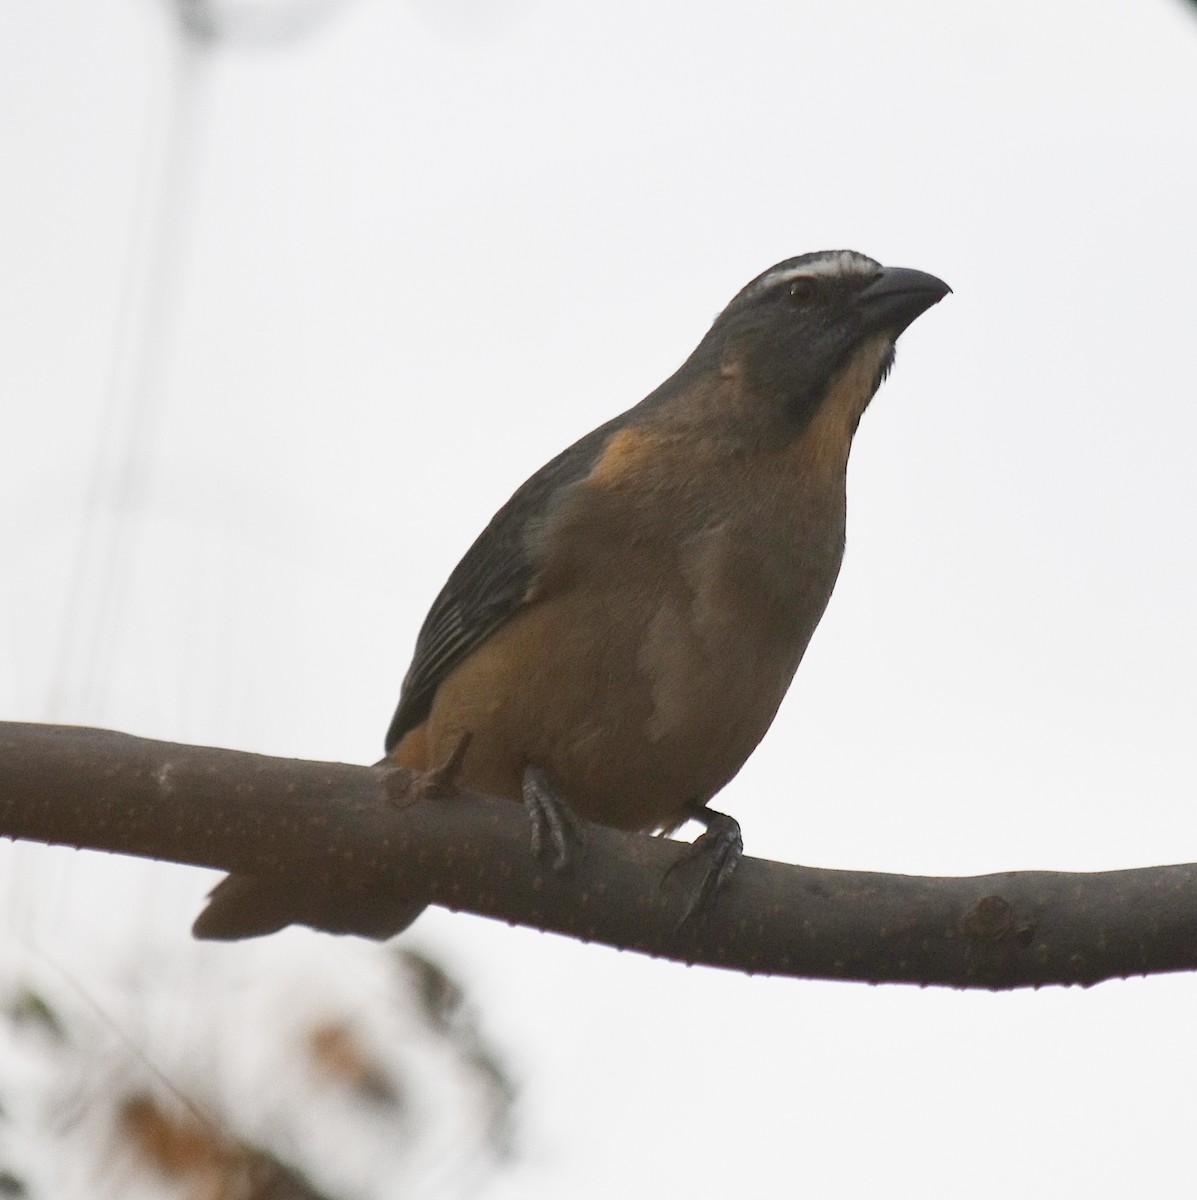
[{"x": 801, "y": 289}]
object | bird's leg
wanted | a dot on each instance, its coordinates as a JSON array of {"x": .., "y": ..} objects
[
  {"x": 721, "y": 846},
  {"x": 552, "y": 820},
  {"x": 439, "y": 781},
  {"x": 403, "y": 787}
]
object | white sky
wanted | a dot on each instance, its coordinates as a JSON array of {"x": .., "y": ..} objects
[{"x": 417, "y": 251}]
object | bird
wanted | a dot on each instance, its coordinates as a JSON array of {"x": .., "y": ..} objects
[{"x": 618, "y": 639}]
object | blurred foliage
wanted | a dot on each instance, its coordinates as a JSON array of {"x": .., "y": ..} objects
[
  {"x": 442, "y": 1003},
  {"x": 313, "y": 1078},
  {"x": 28, "y": 1007},
  {"x": 192, "y": 1152},
  {"x": 10, "y": 1185}
]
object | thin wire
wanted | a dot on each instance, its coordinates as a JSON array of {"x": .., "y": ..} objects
[
  {"x": 209, "y": 1120},
  {"x": 106, "y": 550}
]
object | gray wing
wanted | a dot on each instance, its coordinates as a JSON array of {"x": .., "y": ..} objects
[{"x": 490, "y": 583}]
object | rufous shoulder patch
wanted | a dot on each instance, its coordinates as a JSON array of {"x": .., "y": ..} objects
[{"x": 623, "y": 454}]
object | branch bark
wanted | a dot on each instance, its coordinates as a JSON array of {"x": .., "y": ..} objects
[{"x": 350, "y": 831}]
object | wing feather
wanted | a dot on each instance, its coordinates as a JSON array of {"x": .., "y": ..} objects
[{"x": 491, "y": 582}]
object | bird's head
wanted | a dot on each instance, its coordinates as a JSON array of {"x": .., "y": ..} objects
[{"x": 802, "y": 324}]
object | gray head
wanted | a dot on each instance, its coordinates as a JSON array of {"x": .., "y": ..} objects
[{"x": 800, "y": 322}]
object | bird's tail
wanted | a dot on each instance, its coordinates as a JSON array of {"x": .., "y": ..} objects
[{"x": 246, "y": 906}]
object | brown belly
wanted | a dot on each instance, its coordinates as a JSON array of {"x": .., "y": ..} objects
[
  {"x": 644, "y": 670},
  {"x": 657, "y": 711}
]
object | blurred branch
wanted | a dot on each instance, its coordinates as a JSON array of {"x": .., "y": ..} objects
[
  {"x": 249, "y": 23},
  {"x": 358, "y": 832}
]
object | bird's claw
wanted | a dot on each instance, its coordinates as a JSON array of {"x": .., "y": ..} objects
[
  {"x": 721, "y": 846},
  {"x": 552, "y": 821}
]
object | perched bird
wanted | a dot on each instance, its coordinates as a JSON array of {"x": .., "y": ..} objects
[{"x": 620, "y": 636}]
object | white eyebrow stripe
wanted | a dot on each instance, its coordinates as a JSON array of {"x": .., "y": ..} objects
[{"x": 838, "y": 263}]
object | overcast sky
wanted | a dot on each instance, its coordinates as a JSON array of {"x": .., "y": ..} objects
[{"x": 283, "y": 322}]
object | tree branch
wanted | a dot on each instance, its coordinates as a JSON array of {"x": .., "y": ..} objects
[{"x": 360, "y": 831}]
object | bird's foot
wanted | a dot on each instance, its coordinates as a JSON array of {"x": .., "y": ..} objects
[
  {"x": 552, "y": 821},
  {"x": 440, "y": 781},
  {"x": 720, "y": 847},
  {"x": 404, "y": 786}
]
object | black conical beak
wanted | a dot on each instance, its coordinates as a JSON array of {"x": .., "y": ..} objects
[{"x": 895, "y": 297}]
